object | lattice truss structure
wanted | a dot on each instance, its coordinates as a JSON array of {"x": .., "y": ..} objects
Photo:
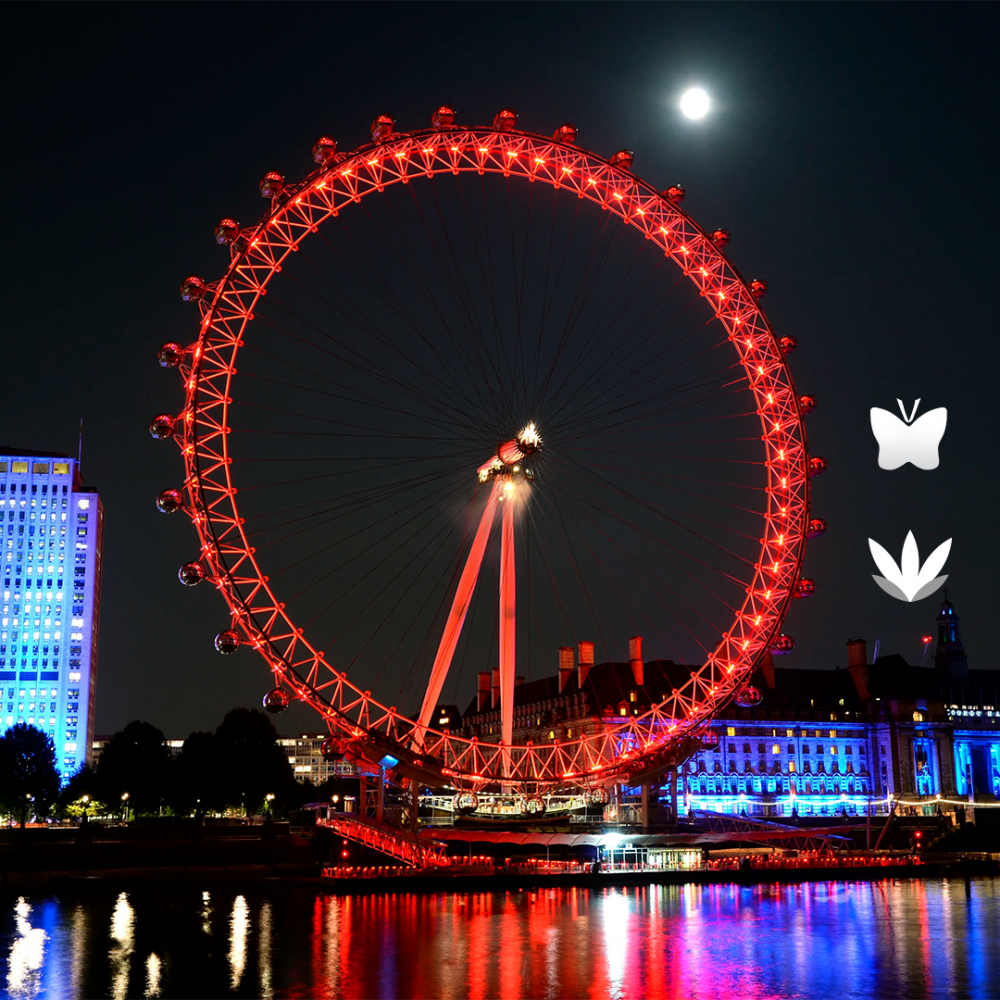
[{"x": 230, "y": 562}]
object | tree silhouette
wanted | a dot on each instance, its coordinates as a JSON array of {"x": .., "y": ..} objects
[
  {"x": 29, "y": 781},
  {"x": 199, "y": 784},
  {"x": 136, "y": 760},
  {"x": 252, "y": 763}
]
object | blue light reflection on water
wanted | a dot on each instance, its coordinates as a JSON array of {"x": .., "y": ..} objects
[{"x": 883, "y": 939}]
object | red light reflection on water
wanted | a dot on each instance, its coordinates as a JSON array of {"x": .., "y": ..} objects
[{"x": 657, "y": 941}]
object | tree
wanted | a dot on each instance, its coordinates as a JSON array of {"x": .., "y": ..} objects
[
  {"x": 29, "y": 781},
  {"x": 136, "y": 762},
  {"x": 81, "y": 795},
  {"x": 252, "y": 764},
  {"x": 198, "y": 778}
]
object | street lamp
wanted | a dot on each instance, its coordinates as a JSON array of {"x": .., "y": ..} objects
[{"x": 125, "y": 807}]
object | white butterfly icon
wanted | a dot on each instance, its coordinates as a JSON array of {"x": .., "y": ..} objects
[
  {"x": 909, "y": 581},
  {"x": 914, "y": 441}
]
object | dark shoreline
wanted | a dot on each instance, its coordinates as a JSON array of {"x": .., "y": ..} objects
[{"x": 434, "y": 882}]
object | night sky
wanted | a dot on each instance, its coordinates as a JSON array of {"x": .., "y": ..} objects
[{"x": 851, "y": 152}]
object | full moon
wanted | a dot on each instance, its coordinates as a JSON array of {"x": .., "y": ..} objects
[{"x": 694, "y": 103}]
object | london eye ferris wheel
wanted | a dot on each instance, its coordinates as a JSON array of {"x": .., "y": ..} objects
[{"x": 466, "y": 395}]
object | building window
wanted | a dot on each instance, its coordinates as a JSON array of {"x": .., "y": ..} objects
[
  {"x": 775, "y": 749},
  {"x": 918, "y": 716},
  {"x": 730, "y": 730}
]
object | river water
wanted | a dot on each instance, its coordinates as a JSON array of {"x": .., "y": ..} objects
[{"x": 825, "y": 939}]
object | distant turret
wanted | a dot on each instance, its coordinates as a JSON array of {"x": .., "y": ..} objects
[{"x": 950, "y": 655}]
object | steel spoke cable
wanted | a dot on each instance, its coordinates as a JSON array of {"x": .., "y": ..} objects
[
  {"x": 363, "y": 401},
  {"x": 669, "y": 548},
  {"x": 576, "y": 306},
  {"x": 658, "y": 582},
  {"x": 420, "y": 396},
  {"x": 397, "y": 548},
  {"x": 594, "y": 401},
  {"x": 353, "y": 507},
  {"x": 392, "y": 300},
  {"x": 429, "y": 296},
  {"x": 466, "y": 298},
  {"x": 603, "y": 368},
  {"x": 659, "y": 512},
  {"x": 367, "y": 500},
  {"x": 363, "y": 363},
  {"x": 695, "y": 385},
  {"x": 674, "y": 510},
  {"x": 588, "y": 346}
]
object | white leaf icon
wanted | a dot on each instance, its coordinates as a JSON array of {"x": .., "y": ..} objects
[{"x": 910, "y": 581}]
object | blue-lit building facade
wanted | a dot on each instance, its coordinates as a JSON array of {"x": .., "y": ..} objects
[
  {"x": 52, "y": 536},
  {"x": 822, "y": 742}
]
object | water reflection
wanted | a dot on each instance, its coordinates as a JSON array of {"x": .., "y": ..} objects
[
  {"x": 239, "y": 929},
  {"x": 264, "y": 951},
  {"x": 122, "y": 927},
  {"x": 153, "y": 975},
  {"x": 27, "y": 953},
  {"x": 888, "y": 939}
]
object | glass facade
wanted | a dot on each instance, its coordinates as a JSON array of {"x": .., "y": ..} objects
[{"x": 50, "y": 570}]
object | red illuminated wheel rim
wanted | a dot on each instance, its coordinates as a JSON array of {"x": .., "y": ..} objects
[{"x": 344, "y": 197}]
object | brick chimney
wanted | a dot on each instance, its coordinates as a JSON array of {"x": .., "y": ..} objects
[
  {"x": 483, "y": 694},
  {"x": 586, "y": 662},
  {"x": 857, "y": 664},
  {"x": 495, "y": 700},
  {"x": 857, "y": 652},
  {"x": 565, "y": 666},
  {"x": 635, "y": 659}
]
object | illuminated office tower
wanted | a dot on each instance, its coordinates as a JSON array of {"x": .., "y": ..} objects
[{"x": 52, "y": 534}]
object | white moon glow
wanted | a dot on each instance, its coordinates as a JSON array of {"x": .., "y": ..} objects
[{"x": 694, "y": 103}]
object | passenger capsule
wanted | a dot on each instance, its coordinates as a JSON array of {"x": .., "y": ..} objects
[
  {"x": 709, "y": 740},
  {"x": 275, "y": 701},
  {"x": 596, "y": 797},
  {"x": 505, "y": 119},
  {"x": 782, "y": 644},
  {"x": 192, "y": 288},
  {"x": 675, "y": 194},
  {"x": 817, "y": 527},
  {"x": 169, "y": 501},
  {"x": 465, "y": 802},
  {"x": 324, "y": 150},
  {"x": 788, "y": 344},
  {"x": 817, "y": 465},
  {"x": 272, "y": 184},
  {"x": 749, "y": 697},
  {"x": 720, "y": 237},
  {"x": 623, "y": 159},
  {"x": 758, "y": 288},
  {"x": 170, "y": 355},
  {"x": 191, "y": 573},
  {"x": 383, "y": 127},
  {"x": 804, "y": 588},
  {"x": 566, "y": 133},
  {"x": 228, "y": 642},
  {"x": 535, "y": 806},
  {"x": 808, "y": 403},
  {"x": 332, "y": 749},
  {"x": 161, "y": 426},
  {"x": 227, "y": 231},
  {"x": 444, "y": 117}
]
